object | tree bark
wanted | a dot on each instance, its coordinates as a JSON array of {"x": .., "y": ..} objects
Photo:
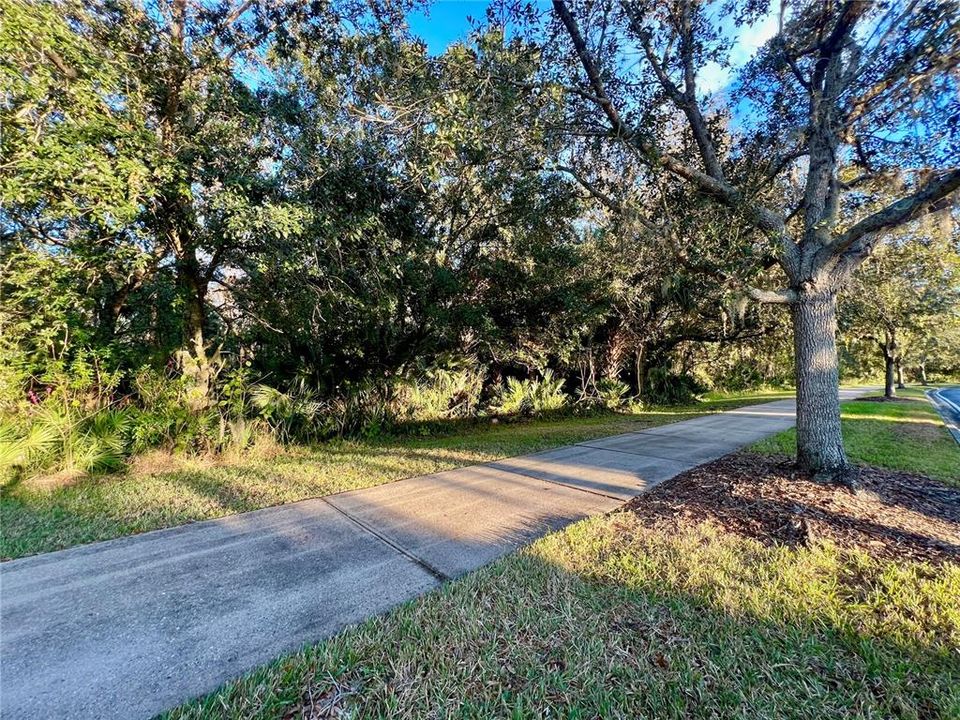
[
  {"x": 194, "y": 292},
  {"x": 923, "y": 372},
  {"x": 889, "y": 390},
  {"x": 819, "y": 439},
  {"x": 640, "y": 370},
  {"x": 194, "y": 362},
  {"x": 900, "y": 384},
  {"x": 108, "y": 313},
  {"x": 889, "y": 349}
]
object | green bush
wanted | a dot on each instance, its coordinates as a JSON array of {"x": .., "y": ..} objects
[
  {"x": 441, "y": 394},
  {"x": 664, "y": 387},
  {"x": 366, "y": 409},
  {"x": 291, "y": 415},
  {"x": 612, "y": 393},
  {"x": 66, "y": 420},
  {"x": 75, "y": 417},
  {"x": 57, "y": 437},
  {"x": 529, "y": 397}
]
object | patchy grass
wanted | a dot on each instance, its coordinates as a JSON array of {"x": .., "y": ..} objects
[
  {"x": 621, "y": 617},
  {"x": 612, "y": 619},
  {"x": 158, "y": 490},
  {"x": 906, "y": 434}
]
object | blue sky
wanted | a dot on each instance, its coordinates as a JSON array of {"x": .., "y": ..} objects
[{"x": 446, "y": 21}]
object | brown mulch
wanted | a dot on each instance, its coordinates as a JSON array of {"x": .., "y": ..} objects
[{"x": 892, "y": 515}]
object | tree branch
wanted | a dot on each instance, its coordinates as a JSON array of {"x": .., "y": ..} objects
[
  {"x": 930, "y": 198},
  {"x": 761, "y": 217},
  {"x": 686, "y": 100},
  {"x": 590, "y": 187}
]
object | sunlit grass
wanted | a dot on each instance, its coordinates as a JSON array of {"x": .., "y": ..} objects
[
  {"x": 608, "y": 619},
  {"x": 905, "y": 435},
  {"x": 162, "y": 491}
]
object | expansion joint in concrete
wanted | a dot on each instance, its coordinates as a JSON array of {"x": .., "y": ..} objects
[{"x": 438, "y": 574}]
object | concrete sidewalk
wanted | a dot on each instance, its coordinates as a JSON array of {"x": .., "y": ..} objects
[{"x": 131, "y": 627}]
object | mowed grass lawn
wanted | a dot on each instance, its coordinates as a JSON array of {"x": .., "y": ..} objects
[
  {"x": 610, "y": 619},
  {"x": 906, "y": 434},
  {"x": 49, "y": 513}
]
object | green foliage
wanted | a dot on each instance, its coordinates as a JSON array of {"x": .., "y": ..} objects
[
  {"x": 612, "y": 393},
  {"x": 60, "y": 438},
  {"x": 530, "y": 397},
  {"x": 162, "y": 490},
  {"x": 74, "y": 418},
  {"x": 442, "y": 394},
  {"x": 904, "y": 304},
  {"x": 670, "y": 388},
  {"x": 294, "y": 222},
  {"x": 74, "y": 137},
  {"x": 295, "y": 414},
  {"x": 24, "y": 449}
]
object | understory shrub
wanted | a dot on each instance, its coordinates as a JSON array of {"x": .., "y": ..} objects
[
  {"x": 529, "y": 397},
  {"x": 67, "y": 421},
  {"x": 441, "y": 394},
  {"x": 612, "y": 393},
  {"x": 605, "y": 394},
  {"x": 65, "y": 439},
  {"x": 665, "y": 387},
  {"x": 295, "y": 414},
  {"x": 81, "y": 418}
]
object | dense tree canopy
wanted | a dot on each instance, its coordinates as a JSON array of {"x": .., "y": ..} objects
[
  {"x": 297, "y": 204},
  {"x": 906, "y": 297}
]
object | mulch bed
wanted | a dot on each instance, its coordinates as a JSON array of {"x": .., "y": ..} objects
[{"x": 892, "y": 515}]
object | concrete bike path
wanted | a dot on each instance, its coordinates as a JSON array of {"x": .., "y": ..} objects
[{"x": 130, "y": 627}]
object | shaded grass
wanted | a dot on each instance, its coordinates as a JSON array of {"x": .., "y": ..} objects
[
  {"x": 906, "y": 434},
  {"x": 38, "y": 516},
  {"x": 609, "y": 619}
]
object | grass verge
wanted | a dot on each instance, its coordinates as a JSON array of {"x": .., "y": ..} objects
[
  {"x": 608, "y": 619},
  {"x": 906, "y": 434},
  {"x": 158, "y": 490}
]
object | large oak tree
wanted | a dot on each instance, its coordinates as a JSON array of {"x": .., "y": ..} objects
[{"x": 845, "y": 96}]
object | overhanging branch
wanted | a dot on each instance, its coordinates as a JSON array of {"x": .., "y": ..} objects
[
  {"x": 761, "y": 217},
  {"x": 930, "y": 198}
]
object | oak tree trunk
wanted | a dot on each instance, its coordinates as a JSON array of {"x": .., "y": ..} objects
[
  {"x": 900, "y": 384},
  {"x": 819, "y": 440},
  {"x": 194, "y": 291},
  {"x": 889, "y": 391}
]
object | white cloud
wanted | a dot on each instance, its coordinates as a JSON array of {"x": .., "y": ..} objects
[
  {"x": 747, "y": 40},
  {"x": 713, "y": 77},
  {"x": 750, "y": 38}
]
